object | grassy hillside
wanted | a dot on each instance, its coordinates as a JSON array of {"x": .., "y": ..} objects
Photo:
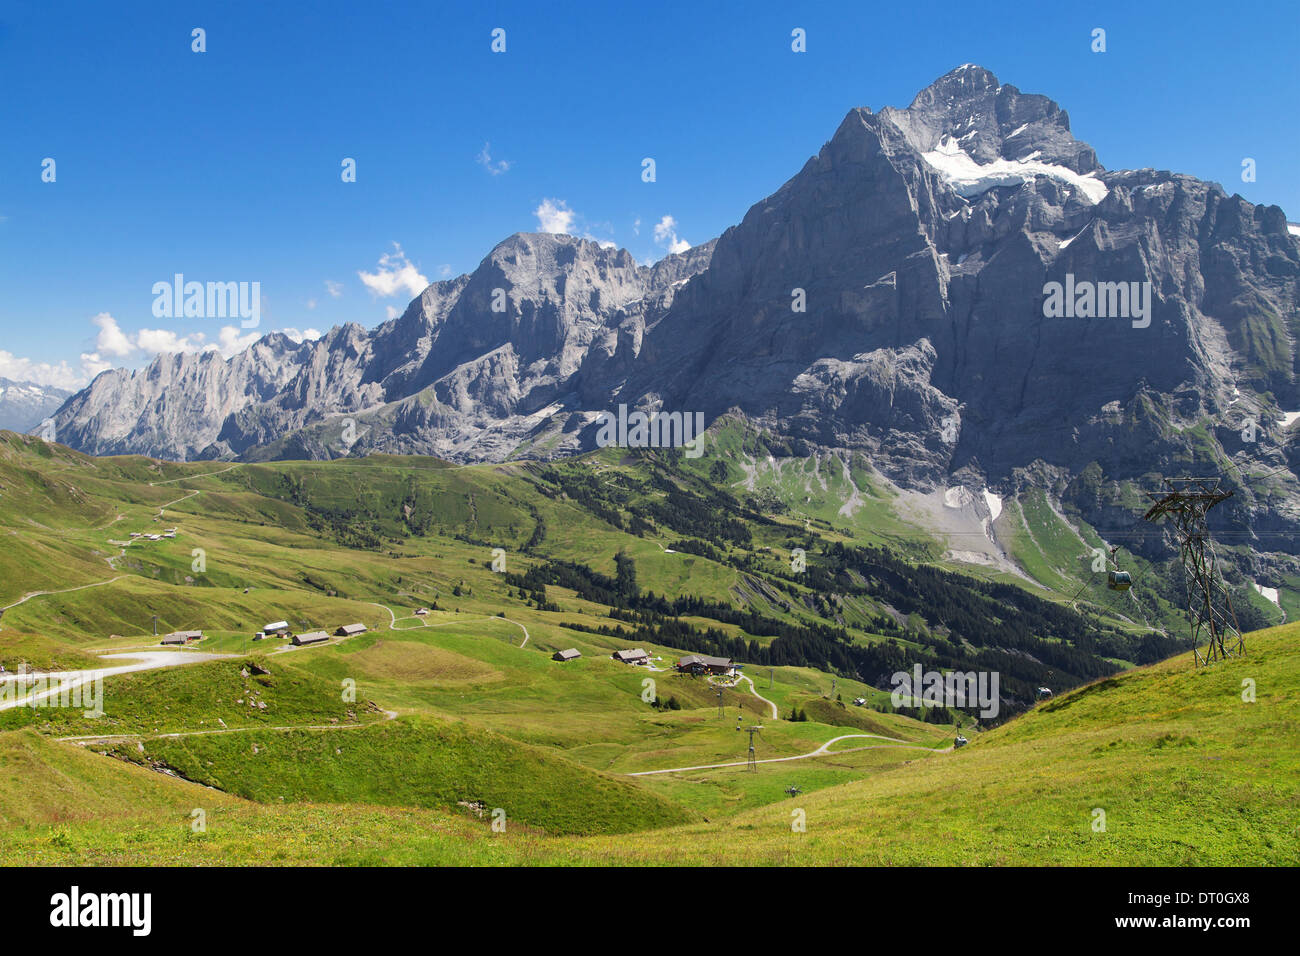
[
  {"x": 413, "y": 763},
  {"x": 1188, "y": 774},
  {"x": 43, "y": 783},
  {"x": 385, "y": 747},
  {"x": 211, "y": 695}
]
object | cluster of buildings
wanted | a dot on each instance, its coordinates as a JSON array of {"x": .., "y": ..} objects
[
  {"x": 274, "y": 629},
  {"x": 282, "y": 629},
  {"x": 146, "y": 536},
  {"x": 690, "y": 664}
]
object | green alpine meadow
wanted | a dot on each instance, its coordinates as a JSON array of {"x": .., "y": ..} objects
[{"x": 444, "y": 730}]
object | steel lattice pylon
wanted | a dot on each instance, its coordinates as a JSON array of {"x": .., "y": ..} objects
[{"x": 1209, "y": 605}]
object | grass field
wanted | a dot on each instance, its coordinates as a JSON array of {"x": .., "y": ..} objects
[
  {"x": 1170, "y": 754},
  {"x": 397, "y": 746}
]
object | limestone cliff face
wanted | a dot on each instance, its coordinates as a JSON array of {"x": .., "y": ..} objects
[
  {"x": 922, "y": 240},
  {"x": 889, "y": 298}
]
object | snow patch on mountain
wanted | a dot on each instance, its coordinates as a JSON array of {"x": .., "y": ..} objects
[
  {"x": 969, "y": 178},
  {"x": 1065, "y": 243},
  {"x": 1269, "y": 593},
  {"x": 994, "y": 502},
  {"x": 24, "y": 405}
]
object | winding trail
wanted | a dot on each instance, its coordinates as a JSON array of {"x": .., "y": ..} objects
[
  {"x": 177, "y": 501},
  {"x": 393, "y": 619},
  {"x": 754, "y": 690},
  {"x": 392, "y": 622},
  {"x": 64, "y": 682},
  {"x": 518, "y": 625},
  {"x": 207, "y": 474},
  {"x": 98, "y": 584},
  {"x": 821, "y": 751},
  {"x": 105, "y": 738},
  {"x": 80, "y": 587}
]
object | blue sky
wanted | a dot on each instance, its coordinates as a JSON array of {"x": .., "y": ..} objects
[{"x": 225, "y": 165}]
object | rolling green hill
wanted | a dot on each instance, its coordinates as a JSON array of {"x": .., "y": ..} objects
[
  {"x": 1186, "y": 772},
  {"x": 396, "y": 745}
]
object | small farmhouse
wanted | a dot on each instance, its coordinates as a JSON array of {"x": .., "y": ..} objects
[
  {"x": 181, "y": 637},
  {"x": 351, "y": 630},
  {"x": 633, "y": 656},
  {"x": 311, "y": 637},
  {"x": 571, "y": 654},
  {"x": 276, "y": 627},
  {"x": 704, "y": 664}
]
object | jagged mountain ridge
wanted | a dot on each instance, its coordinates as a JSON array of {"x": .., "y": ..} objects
[
  {"x": 24, "y": 405},
  {"x": 449, "y": 367},
  {"x": 922, "y": 240}
]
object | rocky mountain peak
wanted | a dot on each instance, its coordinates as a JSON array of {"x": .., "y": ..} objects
[
  {"x": 967, "y": 109},
  {"x": 888, "y": 298},
  {"x": 966, "y": 84},
  {"x": 24, "y": 405}
]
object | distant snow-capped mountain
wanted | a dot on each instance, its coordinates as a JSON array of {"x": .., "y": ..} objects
[
  {"x": 892, "y": 298},
  {"x": 24, "y": 405}
]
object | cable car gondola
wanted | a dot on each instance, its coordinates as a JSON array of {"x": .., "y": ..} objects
[{"x": 1116, "y": 580}]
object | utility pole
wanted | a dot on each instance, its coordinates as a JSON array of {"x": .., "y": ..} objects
[
  {"x": 155, "y": 625},
  {"x": 752, "y": 763},
  {"x": 1209, "y": 604},
  {"x": 721, "y": 710},
  {"x": 770, "y": 672}
]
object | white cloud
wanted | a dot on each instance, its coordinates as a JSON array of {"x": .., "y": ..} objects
[
  {"x": 391, "y": 311},
  {"x": 111, "y": 339},
  {"x": 230, "y": 342},
  {"x": 554, "y": 215},
  {"x": 602, "y": 227},
  {"x": 444, "y": 271},
  {"x": 62, "y": 375},
  {"x": 395, "y": 274},
  {"x": 485, "y": 160},
  {"x": 92, "y": 365},
  {"x": 154, "y": 341},
  {"x": 114, "y": 347},
  {"x": 311, "y": 304},
  {"x": 335, "y": 289},
  {"x": 636, "y": 226},
  {"x": 305, "y": 335},
  {"x": 666, "y": 235}
]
